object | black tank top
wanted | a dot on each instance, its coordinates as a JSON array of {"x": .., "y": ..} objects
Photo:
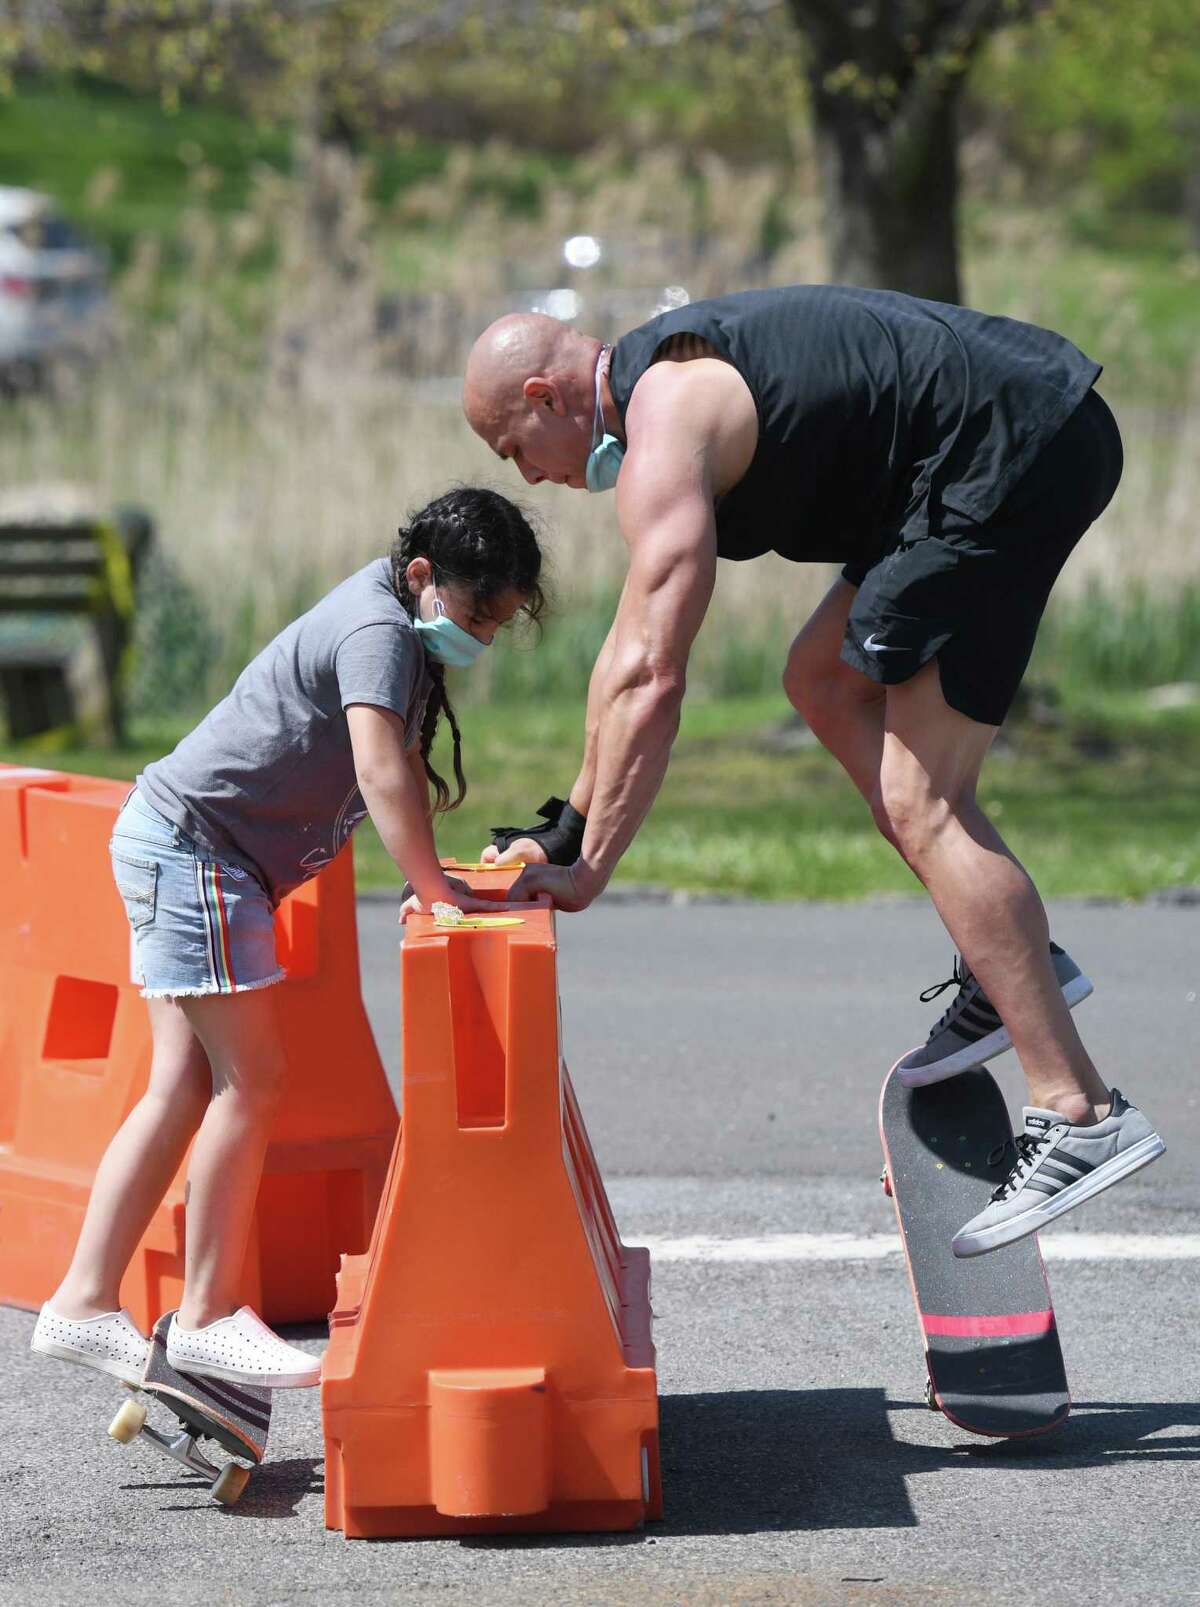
[{"x": 874, "y": 408}]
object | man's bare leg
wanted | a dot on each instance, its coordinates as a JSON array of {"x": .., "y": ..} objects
[
  {"x": 999, "y": 924},
  {"x": 926, "y": 796},
  {"x": 844, "y": 709}
]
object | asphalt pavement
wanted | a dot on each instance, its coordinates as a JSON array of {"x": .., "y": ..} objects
[{"x": 728, "y": 1059}]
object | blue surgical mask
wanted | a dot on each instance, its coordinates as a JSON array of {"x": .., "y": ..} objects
[
  {"x": 605, "y": 458},
  {"x": 444, "y": 640}
]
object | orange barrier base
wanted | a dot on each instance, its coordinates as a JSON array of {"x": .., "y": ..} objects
[
  {"x": 490, "y": 1368},
  {"x": 75, "y": 1057}
]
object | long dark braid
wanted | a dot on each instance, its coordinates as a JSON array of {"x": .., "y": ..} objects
[{"x": 477, "y": 539}]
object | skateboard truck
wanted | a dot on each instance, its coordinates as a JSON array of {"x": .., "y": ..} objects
[
  {"x": 226, "y": 1483},
  {"x": 235, "y": 1416}
]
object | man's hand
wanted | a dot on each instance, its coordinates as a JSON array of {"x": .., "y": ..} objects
[
  {"x": 566, "y": 885},
  {"x": 559, "y": 840},
  {"x": 522, "y": 849}
]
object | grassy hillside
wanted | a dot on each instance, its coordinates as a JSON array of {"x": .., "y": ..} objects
[
  {"x": 128, "y": 169},
  {"x": 125, "y": 167}
]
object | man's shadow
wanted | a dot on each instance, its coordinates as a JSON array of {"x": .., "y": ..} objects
[{"x": 757, "y": 1461}]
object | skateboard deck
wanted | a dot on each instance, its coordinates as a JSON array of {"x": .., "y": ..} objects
[
  {"x": 991, "y": 1343},
  {"x": 235, "y": 1416}
]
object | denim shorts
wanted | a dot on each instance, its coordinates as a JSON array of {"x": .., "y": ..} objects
[{"x": 199, "y": 924}]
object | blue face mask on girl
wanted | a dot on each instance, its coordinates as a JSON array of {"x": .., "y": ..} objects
[
  {"x": 445, "y": 641},
  {"x": 605, "y": 458}
]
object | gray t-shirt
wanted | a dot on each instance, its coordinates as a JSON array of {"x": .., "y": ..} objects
[{"x": 266, "y": 781}]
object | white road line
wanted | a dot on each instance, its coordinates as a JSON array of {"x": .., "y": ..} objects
[{"x": 881, "y": 1246}]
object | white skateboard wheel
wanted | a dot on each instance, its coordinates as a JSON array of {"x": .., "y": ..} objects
[
  {"x": 128, "y": 1422},
  {"x": 230, "y": 1483}
]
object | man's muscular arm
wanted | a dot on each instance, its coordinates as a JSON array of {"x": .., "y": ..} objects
[
  {"x": 665, "y": 507},
  {"x": 580, "y": 796},
  {"x": 672, "y": 571},
  {"x": 529, "y": 849}
]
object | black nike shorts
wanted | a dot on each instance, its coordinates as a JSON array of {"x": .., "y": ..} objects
[{"x": 973, "y": 594}]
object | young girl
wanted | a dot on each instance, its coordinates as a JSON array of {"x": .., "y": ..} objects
[{"x": 332, "y": 721}]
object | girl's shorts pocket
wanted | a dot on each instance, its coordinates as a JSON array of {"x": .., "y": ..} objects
[{"x": 137, "y": 883}]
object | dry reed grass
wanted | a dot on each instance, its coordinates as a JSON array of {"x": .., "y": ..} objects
[{"x": 279, "y": 429}]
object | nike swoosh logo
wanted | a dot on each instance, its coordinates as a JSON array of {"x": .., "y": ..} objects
[{"x": 872, "y": 646}]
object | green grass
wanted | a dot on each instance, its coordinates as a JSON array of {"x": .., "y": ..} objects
[
  {"x": 59, "y": 135},
  {"x": 1103, "y": 805}
]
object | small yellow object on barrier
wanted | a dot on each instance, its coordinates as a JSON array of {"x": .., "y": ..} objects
[
  {"x": 478, "y": 865},
  {"x": 478, "y": 923}
]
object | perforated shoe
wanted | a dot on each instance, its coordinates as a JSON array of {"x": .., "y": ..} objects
[
  {"x": 1059, "y": 1167},
  {"x": 971, "y": 1031},
  {"x": 112, "y": 1343},
  {"x": 242, "y": 1350}
]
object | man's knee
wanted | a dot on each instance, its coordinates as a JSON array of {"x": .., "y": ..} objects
[
  {"x": 910, "y": 813},
  {"x": 796, "y": 682},
  {"x": 831, "y": 698}
]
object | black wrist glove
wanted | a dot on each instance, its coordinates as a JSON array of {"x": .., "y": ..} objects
[{"x": 561, "y": 836}]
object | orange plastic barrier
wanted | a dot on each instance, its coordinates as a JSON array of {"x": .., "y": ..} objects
[
  {"x": 490, "y": 1366},
  {"x": 75, "y": 1056}
]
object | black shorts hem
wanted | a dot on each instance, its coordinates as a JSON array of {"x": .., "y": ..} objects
[{"x": 972, "y": 595}]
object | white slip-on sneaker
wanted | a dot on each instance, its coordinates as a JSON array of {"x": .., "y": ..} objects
[
  {"x": 242, "y": 1350},
  {"x": 112, "y": 1343}
]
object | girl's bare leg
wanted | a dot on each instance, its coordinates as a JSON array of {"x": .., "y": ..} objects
[
  {"x": 241, "y": 1037},
  {"x": 138, "y": 1165}
]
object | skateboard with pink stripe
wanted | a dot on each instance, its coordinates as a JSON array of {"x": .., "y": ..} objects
[{"x": 992, "y": 1352}]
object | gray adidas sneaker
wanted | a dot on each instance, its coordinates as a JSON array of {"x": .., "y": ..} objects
[
  {"x": 970, "y": 1031},
  {"x": 1059, "y": 1167}
]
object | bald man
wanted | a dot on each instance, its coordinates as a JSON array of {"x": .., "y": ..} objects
[{"x": 949, "y": 461}]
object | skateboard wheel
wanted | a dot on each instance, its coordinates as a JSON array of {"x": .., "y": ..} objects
[
  {"x": 885, "y": 1179},
  {"x": 230, "y": 1483},
  {"x": 931, "y": 1399},
  {"x": 128, "y": 1422}
]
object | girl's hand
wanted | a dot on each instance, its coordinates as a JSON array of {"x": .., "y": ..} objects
[{"x": 457, "y": 893}]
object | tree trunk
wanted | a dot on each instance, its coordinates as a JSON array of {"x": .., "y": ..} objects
[
  {"x": 891, "y": 196},
  {"x": 885, "y": 78}
]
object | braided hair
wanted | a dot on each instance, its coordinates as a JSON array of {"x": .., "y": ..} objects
[{"x": 483, "y": 543}]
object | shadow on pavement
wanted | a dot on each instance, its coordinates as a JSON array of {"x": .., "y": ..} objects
[
  {"x": 1101, "y": 1433},
  {"x": 740, "y": 1462},
  {"x": 755, "y": 1461},
  {"x": 275, "y": 1490}
]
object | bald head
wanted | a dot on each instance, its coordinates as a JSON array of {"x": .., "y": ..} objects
[
  {"x": 529, "y": 392},
  {"x": 520, "y": 347}
]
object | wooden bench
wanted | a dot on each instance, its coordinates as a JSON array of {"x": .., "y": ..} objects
[{"x": 69, "y": 567}]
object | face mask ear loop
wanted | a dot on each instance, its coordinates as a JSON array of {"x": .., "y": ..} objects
[{"x": 598, "y": 411}]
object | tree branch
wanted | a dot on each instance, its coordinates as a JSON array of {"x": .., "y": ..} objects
[{"x": 945, "y": 57}]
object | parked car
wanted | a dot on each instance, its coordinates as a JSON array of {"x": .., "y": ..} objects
[{"x": 54, "y": 298}]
